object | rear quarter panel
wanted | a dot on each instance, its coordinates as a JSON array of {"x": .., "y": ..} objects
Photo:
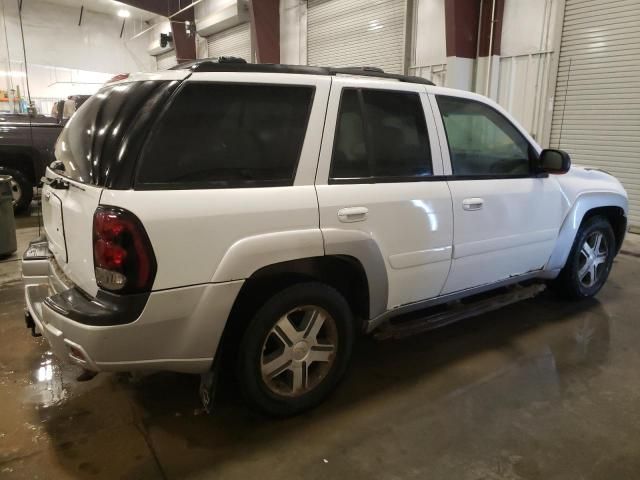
[
  {"x": 192, "y": 231},
  {"x": 218, "y": 235}
]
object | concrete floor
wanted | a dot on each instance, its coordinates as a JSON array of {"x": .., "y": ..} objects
[{"x": 539, "y": 390}]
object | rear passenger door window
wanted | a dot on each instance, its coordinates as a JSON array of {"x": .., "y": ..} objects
[
  {"x": 482, "y": 142},
  {"x": 220, "y": 135},
  {"x": 381, "y": 136}
]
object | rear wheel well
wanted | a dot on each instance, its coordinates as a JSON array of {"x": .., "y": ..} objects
[
  {"x": 615, "y": 216},
  {"x": 344, "y": 273}
]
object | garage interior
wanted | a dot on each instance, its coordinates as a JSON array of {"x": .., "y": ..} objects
[{"x": 542, "y": 389}]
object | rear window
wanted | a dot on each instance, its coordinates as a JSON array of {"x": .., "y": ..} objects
[
  {"x": 91, "y": 144},
  {"x": 217, "y": 135}
]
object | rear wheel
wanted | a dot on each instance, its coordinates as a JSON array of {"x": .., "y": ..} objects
[
  {"x": 296, "y": 349},
  {"x": 21, "y": 189},
  {"x": 590, "y": 260}
]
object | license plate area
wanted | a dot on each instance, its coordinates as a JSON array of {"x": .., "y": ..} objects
[{"x": 54, "y": 224}]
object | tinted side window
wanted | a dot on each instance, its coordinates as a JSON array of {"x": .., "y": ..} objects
[
  {"x": 482, "y": 141},
  {"x": 381, "y": 136},
  {"x": 228, "y": 135},
  {"x": 350, "y": 158}
]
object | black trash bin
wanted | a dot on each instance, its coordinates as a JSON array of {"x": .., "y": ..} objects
[{"x": 8, "y": 242}]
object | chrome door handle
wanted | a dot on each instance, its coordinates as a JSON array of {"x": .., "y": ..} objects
[
  {"x": 472, "y": 204},
  {"x": 352, "y": 214}
]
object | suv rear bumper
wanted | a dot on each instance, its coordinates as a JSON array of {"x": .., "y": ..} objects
[{"x": 177, "y": 329}]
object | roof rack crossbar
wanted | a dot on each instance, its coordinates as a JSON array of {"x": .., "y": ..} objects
[{"x": 233, "y": 64}]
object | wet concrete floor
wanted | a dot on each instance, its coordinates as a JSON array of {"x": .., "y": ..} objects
[{"x": 539, "y": 390}]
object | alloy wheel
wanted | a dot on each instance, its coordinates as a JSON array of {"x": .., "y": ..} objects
[
  {"x": 593, "y": 259},
  {"x": 299, "y": 351}
]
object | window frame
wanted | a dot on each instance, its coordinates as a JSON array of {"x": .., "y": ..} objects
[
  {"x": 157, "y": 124},
  {"x": 372, "y": 179},
  {"x": 532, "y": 151}
]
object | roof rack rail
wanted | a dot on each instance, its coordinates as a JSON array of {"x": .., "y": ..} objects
[{"x": 236, "y": 64}]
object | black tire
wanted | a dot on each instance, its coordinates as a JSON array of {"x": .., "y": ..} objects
[
  {"x": 250, "y": 355},
  {"x": 25, "y": 186},
  {"x": 568, "y": 284}
]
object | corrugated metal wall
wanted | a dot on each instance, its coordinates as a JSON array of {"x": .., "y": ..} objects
[
  {"x": 166, "y": 60},
  {"x": 522, "y": 89},
  {"x": 233, "y": 42},
  {"x": 596, "y": 116},
  {"x": 344, "y": 33}
]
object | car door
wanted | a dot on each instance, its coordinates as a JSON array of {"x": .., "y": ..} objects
[
  {"x": 380, "y": 187},
  {"x": 506, "y": 215}
]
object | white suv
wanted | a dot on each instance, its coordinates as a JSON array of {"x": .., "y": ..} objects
[{"x": 265, "y": 214}]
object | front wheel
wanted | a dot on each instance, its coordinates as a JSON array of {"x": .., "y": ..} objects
[
  {"x": 589, "y": 261},
  {"x": 296, "y": 349}
]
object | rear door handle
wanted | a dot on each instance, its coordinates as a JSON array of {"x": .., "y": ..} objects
[
  {"x": 472, "y": 204},
  {"x": 352, "y": 214}
]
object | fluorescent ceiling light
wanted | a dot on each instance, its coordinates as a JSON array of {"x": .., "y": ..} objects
[{"x": 124, "y": 13}]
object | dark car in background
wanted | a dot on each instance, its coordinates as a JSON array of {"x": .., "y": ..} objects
[{"x": 27, "y": 142}]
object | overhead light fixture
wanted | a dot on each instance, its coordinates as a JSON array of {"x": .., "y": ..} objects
[{"x": 124, "y": 13}]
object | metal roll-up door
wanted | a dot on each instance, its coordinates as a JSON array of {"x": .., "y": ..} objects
[
  {"x": 166, "y": 60},
  {"x": 357, "y": 33},
  {"x": 596, "y": 115},
  {"x": 233, "y": 42}
]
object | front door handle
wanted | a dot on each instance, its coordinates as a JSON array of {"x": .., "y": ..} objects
[
  {"x": 472, "y": 204},
  {"x": 352, "y": 214}
]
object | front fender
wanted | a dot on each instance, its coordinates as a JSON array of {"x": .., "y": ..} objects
[{"x": 584, "y": 202}]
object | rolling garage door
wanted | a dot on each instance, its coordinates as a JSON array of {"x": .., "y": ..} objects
[
  {"x": 233, "y": 42},
  {"x": 344, "y": 33},
  {"x": 166, "y": 60},
  {"x": 596, "y": 115}
]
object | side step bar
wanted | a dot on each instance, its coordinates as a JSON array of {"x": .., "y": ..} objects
[{"x": 400, "y": 328}]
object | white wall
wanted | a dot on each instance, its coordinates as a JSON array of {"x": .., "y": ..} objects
[
  {"x": 524, "y": 26},
  {"x": 293, "y": 32},
  {"x": 64, "y": 58},
  {"x": 429, "y": 35},
  {"x": 529, "y": 35}
]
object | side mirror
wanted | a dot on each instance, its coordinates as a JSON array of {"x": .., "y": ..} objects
[{"x": 556, "y": 162}]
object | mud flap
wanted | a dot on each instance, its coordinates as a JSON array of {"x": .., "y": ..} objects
[{"x": 208, "y": 383}]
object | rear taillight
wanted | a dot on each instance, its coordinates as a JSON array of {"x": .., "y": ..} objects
[{"x": 123, "y": 258}]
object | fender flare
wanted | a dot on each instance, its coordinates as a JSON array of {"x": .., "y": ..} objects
[
  {"x": 250, "y": 254},
  {"x": 584, "y": 203},
  {"x": 364, "y": 248}
]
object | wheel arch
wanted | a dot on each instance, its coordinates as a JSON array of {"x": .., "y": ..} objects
[
  {"x": 611, "y": 205},
  {"x": 343, "y": 272}
]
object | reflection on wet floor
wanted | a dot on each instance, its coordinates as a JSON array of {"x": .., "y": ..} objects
[
  {"x": 543, "y": 389},
  {"x": 49, "y": 387}
]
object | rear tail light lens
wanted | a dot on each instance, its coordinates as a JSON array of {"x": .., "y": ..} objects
[{"x": 123, "y": 258}]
